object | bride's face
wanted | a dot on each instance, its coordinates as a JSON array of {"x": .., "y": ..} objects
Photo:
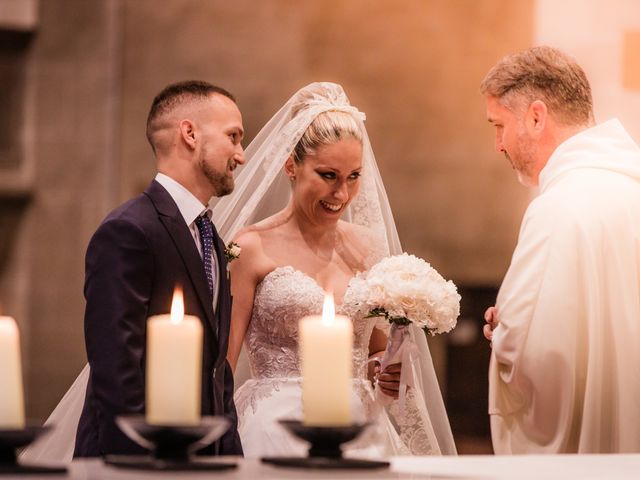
[{"x": 326, "y": 182}]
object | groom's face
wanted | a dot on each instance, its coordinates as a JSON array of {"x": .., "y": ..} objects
[{"x": 221, "y": 148}]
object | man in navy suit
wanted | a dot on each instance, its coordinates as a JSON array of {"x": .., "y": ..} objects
[{"x": 146, "y": 247}]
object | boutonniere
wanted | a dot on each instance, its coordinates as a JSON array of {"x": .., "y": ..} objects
[{"x": 232, "y": 251}]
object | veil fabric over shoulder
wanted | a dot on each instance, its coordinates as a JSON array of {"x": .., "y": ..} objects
[{"x": 261, "y": 190}]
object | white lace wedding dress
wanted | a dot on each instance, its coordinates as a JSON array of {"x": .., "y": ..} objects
[{"x": 283, "y": 297}]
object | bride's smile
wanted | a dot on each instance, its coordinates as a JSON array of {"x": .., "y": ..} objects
[{"x": 331, "y": 207}]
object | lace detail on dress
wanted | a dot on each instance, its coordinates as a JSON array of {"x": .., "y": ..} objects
[
  {"x": 283, "y": 297},
  {"x": 416, "y": 434},
  {"x": 252, "y": 391}
]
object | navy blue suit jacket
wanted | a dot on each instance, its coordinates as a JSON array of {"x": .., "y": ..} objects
[{"x": 139, "y": 253}]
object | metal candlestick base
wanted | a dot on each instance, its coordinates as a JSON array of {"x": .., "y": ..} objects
[
  {"x": 10, "y": 441},
  {"x": 325, "y": 451},
  {"x": 171, "y": 446}
]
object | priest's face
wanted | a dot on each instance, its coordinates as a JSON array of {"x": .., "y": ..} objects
[
  {"x": 514, "y": 140},
  {"x": 326, "y": 182}
]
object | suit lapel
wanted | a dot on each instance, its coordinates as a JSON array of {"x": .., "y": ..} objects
[{"x": 174, "y": 223}]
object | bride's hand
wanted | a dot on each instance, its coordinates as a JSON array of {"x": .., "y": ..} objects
[{"x": 388, "y": 381}]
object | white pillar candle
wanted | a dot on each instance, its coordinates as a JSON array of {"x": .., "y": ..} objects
[
  {"x": 326, "y": 344},
  {"x": 174, "y": 367},
  {"x": 11, "y": 392}
]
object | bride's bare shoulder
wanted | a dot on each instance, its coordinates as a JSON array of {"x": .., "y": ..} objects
[{"x": 256, "y": 234}]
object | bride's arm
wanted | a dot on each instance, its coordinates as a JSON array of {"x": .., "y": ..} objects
[{"x": 244, "y": 279}]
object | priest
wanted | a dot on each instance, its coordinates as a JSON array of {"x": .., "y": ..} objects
[{"x": 565, "y": 330}]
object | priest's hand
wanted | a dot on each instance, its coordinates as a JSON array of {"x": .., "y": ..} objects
[
  {"x": 491, "y": 317},
  {"x": 388, "y": 381}
]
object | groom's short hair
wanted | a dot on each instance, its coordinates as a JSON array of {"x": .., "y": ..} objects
[{"x": 177, "y": 93}]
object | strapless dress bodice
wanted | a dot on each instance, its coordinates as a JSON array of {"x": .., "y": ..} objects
[{"x": 284, "y": 296}]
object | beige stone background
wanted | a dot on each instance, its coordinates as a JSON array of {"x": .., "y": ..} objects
[{"x": 77, "y": 78}]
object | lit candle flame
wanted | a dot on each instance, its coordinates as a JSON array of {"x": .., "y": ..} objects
[
  {"x": 328, "y": 309},
  {"x": 177, "y": 306}
]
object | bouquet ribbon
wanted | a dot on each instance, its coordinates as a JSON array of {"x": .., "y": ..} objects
[{"x": 400, "y": 348}]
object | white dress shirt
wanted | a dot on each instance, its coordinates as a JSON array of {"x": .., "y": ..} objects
[{"x": 190, "y": 209}]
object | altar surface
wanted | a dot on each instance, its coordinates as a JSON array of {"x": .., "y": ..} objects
[{"x": 481, "y": 467}]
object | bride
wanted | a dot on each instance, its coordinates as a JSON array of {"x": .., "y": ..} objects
[
  {"x": 310, "y": 212},
  {"x": 312, "y": 164}
]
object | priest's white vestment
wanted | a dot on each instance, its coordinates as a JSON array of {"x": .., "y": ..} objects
[{"x": 565, "y": 367}]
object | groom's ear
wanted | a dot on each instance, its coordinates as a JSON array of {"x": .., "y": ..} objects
[{"x": 188, "y": 133}]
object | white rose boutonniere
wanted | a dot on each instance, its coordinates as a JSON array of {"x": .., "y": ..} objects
[{"x": 232, "y": 251}]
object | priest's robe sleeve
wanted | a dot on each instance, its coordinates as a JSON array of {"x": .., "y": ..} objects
[{"x": 534, "y": 387}]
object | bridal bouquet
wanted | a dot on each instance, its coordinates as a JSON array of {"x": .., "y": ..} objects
[{"x": 406, "y": 290}]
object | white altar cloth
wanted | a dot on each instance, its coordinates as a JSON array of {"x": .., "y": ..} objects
[
  {"x": 480, "y": 467},
  {"x": 525, "y": 467}
]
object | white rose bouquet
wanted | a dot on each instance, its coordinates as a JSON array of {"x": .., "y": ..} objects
[{"x": 406, "y": 290}]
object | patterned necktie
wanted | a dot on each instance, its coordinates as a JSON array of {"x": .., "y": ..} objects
[{"x": 206, "y": 241}]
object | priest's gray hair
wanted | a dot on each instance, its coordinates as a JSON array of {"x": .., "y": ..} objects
[{"x": 542, "y": 73}]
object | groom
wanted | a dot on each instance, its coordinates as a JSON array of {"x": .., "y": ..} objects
[{"x": 146, "y": 247}]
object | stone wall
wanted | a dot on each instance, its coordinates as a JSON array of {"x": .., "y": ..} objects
[
  {"x": 414, "y": 67},
  {"x": 92, "y": 68},
  {"x": 68, "y": 102}
]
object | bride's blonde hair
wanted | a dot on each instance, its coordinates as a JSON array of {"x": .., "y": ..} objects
[{"x": 327, "y": 128}]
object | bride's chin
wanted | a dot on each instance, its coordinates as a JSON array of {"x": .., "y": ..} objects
[
  {"x": 330, "y": 217},
  {"x": 327, "y": 219}
]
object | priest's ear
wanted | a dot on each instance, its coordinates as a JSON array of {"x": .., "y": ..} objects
[{"x": 536, "y": 118}]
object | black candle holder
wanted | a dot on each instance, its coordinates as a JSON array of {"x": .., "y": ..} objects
[
  {"x": 325, "y": 451},
  {"x": 171, "y": 446},
  {"x": 13, "y": 439}
]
